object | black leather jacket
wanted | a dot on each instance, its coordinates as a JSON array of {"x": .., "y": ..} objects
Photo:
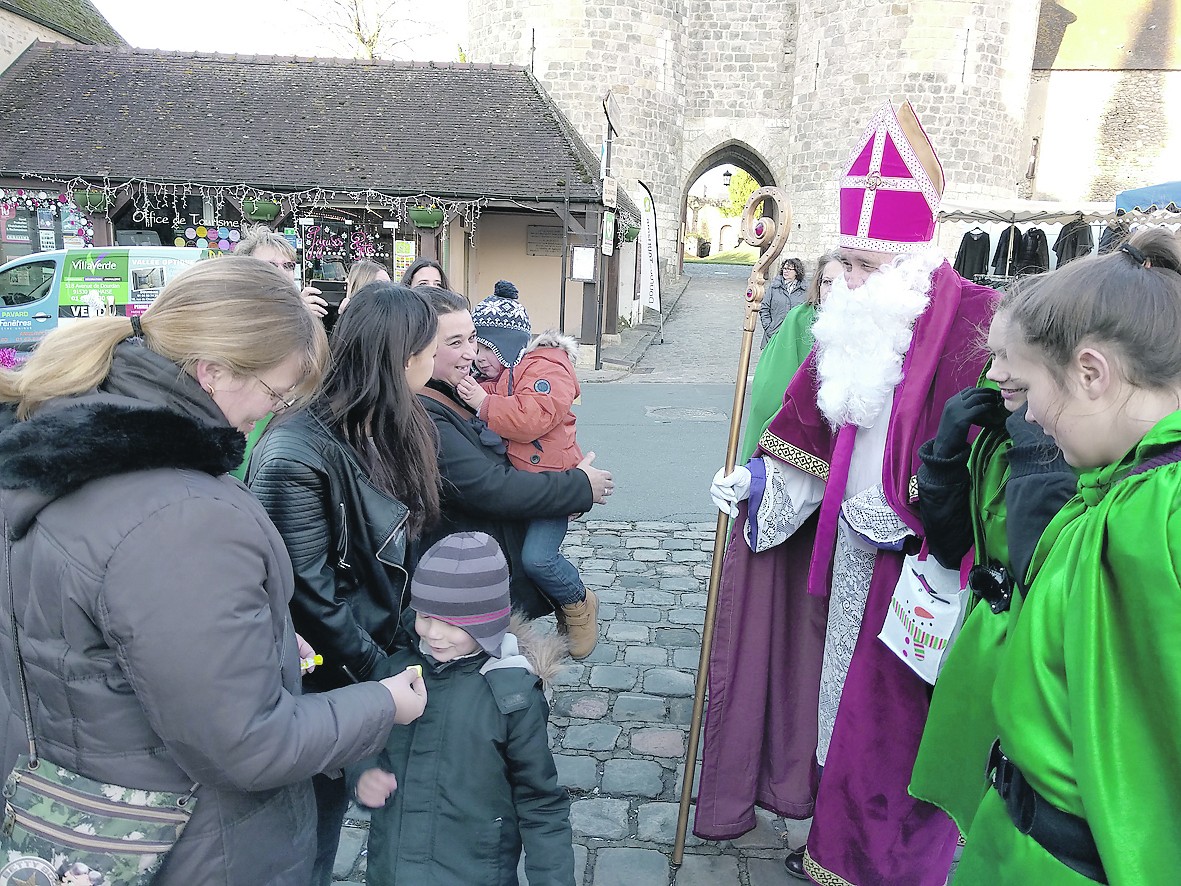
[{"x": 347, "y": 542}]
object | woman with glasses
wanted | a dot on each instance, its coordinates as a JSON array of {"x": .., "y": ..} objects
[
  {"x": 148, "y": 591},
  {"x": 350, "y": 482},
  {"x": 264, "y": 244}
]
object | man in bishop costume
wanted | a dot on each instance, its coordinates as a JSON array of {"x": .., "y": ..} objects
[{"x": 810, "y": 714}]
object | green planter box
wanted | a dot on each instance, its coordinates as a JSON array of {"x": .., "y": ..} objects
[
  {"x": 426, "y": 217},
  {"x": 630, "y": 233},
  {"x": 91, "y": 201},
  {"x": 260, "y": 210}
]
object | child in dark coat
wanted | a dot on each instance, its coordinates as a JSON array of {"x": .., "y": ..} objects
[{"x": 456, "y": 795}]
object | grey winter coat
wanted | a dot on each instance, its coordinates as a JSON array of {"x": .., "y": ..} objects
[
  {"x": 779, "y": 298},
  {"x": 476, "y": 779},
  {"x": 151, "y": 594}
]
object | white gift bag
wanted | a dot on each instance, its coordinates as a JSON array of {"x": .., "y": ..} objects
[{"x": 925, "y": 614}]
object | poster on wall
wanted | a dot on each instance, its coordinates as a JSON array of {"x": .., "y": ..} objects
[
  {"x": 18, "y": 228},
  {"x": 403, "y": 257}
]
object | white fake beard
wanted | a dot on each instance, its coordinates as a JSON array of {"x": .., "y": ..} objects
[{"x": 862, "y": 336}]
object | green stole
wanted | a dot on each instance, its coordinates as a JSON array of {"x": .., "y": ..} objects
[{"x": 783, "y": 356}]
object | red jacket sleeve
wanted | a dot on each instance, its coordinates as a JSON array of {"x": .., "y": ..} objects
[{"x": 544, "y": 390}]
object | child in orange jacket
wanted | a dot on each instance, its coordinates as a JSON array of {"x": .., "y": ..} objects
[{"x": 526, "y": 395}]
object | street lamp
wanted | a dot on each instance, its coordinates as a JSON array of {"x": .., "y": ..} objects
[{"x": 726, "y": 176}]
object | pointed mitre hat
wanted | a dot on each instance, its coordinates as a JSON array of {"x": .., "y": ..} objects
[{"x": 891, "y": 192}]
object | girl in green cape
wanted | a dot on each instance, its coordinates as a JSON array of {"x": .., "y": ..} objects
[
  {"x": 1086, "y": 785},
  {"x": 785, "y": 353},
  {"x": 993, "y": 496}
]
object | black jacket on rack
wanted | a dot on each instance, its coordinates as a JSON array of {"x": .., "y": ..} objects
[
  {"x": 1008, "y": 247},
  {"x": 1113, "y": 236},
  {"x": 1073, "y": 241},
  {"x": 1033, "y": 255},
  {"x": 972, "y": 258}
]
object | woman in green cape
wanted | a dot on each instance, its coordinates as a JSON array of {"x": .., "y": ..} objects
[
  {"x": 785, "y": 353},
  {"x": 1085, "y": 775},
  {"x": 993, "y": 496}
]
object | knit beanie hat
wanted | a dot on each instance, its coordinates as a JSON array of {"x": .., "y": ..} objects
[
  {"x": 502, "y": 323},
  {"x": 463, "y": 580}
]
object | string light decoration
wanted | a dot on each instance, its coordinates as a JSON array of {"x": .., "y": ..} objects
[{"x": 75, "y": 222}]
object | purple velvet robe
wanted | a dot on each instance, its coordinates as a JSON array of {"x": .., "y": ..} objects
[{"x": 761, "y": 724}]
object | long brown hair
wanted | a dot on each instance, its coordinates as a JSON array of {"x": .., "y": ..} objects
[
  {"x": 368, "y": 401},
  {"x": 236, "y": 311},
  {"x": 1130, "y": 298},
  {"x": 814, "y": 286}
]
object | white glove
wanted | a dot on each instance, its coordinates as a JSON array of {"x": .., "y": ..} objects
[{"x": 729, "y": 490}]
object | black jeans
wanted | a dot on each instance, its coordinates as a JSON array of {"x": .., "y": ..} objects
[{"x": 332, "y": 801}]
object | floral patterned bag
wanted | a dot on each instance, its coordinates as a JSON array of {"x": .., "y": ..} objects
[{"x": 61, "y": 827}]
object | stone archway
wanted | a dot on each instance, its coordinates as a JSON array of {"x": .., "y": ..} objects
[{"x": 733, "y": 152}]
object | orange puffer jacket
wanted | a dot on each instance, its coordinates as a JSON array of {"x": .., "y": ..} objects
[{"x": 535, "y": 419}]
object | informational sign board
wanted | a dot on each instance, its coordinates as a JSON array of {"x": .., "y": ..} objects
[
  {"x": 543, "y": 240},
  {"x": 607, "y": 247},
  {"x": 582, "y": 264}
]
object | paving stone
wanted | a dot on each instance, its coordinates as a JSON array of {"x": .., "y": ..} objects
[
  {"x": 687, "y": 616},
  {"x": 352, "y": 841},
  {"x": 641, "y": 708},
  {"x": 577, "y": 772},
  {"x": 658, "y": 742},
  {"x": 630, "y": 867},
  {"x": 628, "y": 633},
  {"x": 641, "y": 613},
  {"x": 610, "y": 525},
  {"x": 644, "y": 595},
  {"x": 603, "y": 540},
  {"x": 611, "y": 595},
  {"x": 570, "y": 675},
  {"x": 584, "y": 705},
  {"x": 667, "y": 681},
  {"x": 607, "y": 612},
  {"x": 768, "y": 872},
  {"x": 658, "y": 824},
  {"x": 701, "y": 572},
  {"x": 635, "y": 583},
  {"x": 572, "y": 551},
  {"x": 598, "y": 564},
  {"x": 694, "y": 601},
  {"x": 633, "y": 778},
  {"x": 596, "y": 580},
  {"x": 677, "y": 637},
  {"x": 678, "y": 544},
  {"x": 679, "y": 584},
  {"x": 613, "y": 677},
  {"x": 765, "y": 834},
  {"x": 686, "y": 658},
  {"x": 630, "y": 566},
  {"x": 619, "y": 555},
  {"x": 680, "y": 711},
  {"x": 642, "y": 542},
  {"x": 689, "y": 557},
  {"x": 707, "y": 870},
  {"x": 603, "y": 818},
  {"x": 673, "y": 570},
  {"x": 646, "y": 655},
  {"x": 663, "y": 526},
  {"x": 647, "y": 556},
  {"x": 603, "y": 653},
  {"x": 591, "y": 737}
]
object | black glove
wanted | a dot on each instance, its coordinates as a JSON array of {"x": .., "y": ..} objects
[
  {"x": 971, "y": 406},
  {"x": 1026, "y": 433}
]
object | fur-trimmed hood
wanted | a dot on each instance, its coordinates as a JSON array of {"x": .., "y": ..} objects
[
  {"x": 147, "y": 415},
  {"x": 539, "y": 652},
  {"x": 552, "y": 338}
]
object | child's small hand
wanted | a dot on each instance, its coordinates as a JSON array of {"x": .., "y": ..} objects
[
  {"x": 471, "y": 393},
  {"x": 374, "y": 787}
]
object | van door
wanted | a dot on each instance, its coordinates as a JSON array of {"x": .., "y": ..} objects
[{"x": 28, "y": 301}]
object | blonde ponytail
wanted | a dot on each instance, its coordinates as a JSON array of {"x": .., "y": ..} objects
[{"x": 236, "y": 311}]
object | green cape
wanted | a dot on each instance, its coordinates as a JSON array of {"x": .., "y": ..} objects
[
  {"x": 1088, "y": 692},
  {"x": 780, "y": 360}
]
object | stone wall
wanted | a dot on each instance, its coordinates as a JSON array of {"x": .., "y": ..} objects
[
  {"x": 964, "y": 65},
  {"x": 17, "y": 33}
]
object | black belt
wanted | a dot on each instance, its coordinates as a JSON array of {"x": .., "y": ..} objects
[{"x": 1065, "y": 836}]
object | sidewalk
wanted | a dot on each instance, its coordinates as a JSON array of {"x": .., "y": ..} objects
[
  {"x": 619, "y": 359},
  {"x": 620, "y": 720}
]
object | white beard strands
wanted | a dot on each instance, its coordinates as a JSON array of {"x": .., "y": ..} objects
[{"x": 862, "y": 336}]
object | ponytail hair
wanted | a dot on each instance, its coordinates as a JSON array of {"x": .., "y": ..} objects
[
  {"x": 236, "y": 311},
  {"x": 1129, "y": 298}
]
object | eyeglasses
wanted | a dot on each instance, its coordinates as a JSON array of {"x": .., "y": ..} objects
[
  {"x": 282, "y": 265},
  {"x": 280, "y": 401}
]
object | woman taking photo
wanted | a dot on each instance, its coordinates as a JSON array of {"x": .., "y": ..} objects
[
  {"x": 149, "y": 591},
  {"x": 348, "y": 482},
  {"x": 482, "y": 491}
]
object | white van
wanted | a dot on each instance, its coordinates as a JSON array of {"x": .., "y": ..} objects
[{"x": 40, "y": 291}]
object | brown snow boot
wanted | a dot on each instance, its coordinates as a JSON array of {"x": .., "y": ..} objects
[{"x": 579, "y": 621}]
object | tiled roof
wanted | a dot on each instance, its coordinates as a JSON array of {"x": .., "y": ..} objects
[
  {"x": 285, "y": 124},
  {"x": 73, "y": 18}
]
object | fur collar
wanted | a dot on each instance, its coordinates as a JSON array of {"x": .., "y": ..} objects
[
  {"x": 62, "y": 448},
  {"x": 551, "y": 338}
]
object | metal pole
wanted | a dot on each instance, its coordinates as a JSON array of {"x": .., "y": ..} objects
[
  {"x": 565, "y": 261},
  {"x": 760, "y": 232}
]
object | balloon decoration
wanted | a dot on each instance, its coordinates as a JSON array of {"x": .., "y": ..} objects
[{"x": 74, "y": 221}]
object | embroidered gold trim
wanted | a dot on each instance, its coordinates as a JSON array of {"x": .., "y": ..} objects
[
  {"x": 794, "y": 456},
  {"x": 912, "y": 488},
  {"x": 820, "y": 875}
]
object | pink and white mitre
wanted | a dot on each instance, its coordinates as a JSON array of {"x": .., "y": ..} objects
[{"x": 891, "y": 192}]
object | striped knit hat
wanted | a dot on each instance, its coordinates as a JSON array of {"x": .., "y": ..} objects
[{"x": 463, "y": 580}]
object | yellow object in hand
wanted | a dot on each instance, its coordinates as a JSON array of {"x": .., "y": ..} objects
[
  {"x": 417, "y": 668},
  {"x": 306, "y": 664}
]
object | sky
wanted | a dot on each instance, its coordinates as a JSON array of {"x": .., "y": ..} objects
[{"x": 276, "y": 27}]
